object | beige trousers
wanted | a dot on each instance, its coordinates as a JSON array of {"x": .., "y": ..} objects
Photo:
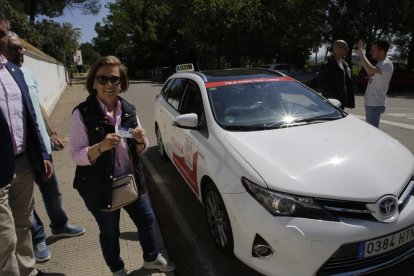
[{"x": 16, "y": 206}]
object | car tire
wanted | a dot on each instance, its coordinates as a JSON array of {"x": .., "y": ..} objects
[
  {"x": 160, "y": 143},
  {"x": 218, "y": 219}
]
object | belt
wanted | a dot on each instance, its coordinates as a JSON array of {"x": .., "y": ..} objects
[{"x": 20, "y": 155}]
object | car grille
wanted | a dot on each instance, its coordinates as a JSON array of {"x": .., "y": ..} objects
[
  {"x": 358, "y": 210},
  {"x": 346, "y": 260},
  {"x": 348, "y": 209}
]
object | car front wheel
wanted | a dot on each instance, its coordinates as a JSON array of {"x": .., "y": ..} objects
[
  {"x": 160, "y": 143},
  {"x": 218, "y": 219}
]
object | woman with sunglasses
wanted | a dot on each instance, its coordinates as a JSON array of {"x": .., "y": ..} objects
[{"x": 101, "y": 152}]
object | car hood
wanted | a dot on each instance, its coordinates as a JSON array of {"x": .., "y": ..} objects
[{"x": 343, "y": 159}]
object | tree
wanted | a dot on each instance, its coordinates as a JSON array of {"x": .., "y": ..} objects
[
  {"x": 54, "y": 8},
  {"x": 20, "y": 25},
  {"x": 403, "y": 30},
  {"x": 352, "y": 20},
  {"x": 89, "y": 54},
  {"x": 243, "y": 32},
  {"x": 60, "y": 40},
  {"x": 130, "y": 32}
]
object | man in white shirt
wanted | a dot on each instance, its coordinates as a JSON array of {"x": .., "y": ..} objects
[{"x": 381, "y": 73}]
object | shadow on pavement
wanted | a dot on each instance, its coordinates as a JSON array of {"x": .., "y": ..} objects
[
  {"x": 146, "y": 272},
  {"x": 130, "y": 236}
]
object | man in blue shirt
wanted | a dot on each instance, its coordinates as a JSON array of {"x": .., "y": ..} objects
[{"x": 52, "y": 197}]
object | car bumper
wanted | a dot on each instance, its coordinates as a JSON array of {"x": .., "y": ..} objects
[{"x": 304, "y": 246}]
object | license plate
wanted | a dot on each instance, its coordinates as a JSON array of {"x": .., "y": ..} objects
[{"x": 385, "y": 244}]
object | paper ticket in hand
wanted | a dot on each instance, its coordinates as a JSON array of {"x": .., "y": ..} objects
[{"x": 125, "y": 132}]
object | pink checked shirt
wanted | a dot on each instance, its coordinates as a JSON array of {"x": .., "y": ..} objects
[
  {"x": 80, "y": 142},
  {"x": 11, "y": 103}
]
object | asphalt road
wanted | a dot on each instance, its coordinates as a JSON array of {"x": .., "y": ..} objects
[{"x": 181, "y": 216}]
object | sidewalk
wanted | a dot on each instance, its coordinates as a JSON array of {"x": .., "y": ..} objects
[{"x": 81, "y": 256}]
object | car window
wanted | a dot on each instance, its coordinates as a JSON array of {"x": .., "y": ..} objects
[
  {"x": 175, "y": 93},
  {"x": 192, "y": 100},
  {"x": 262, "y": 104},
  {"x": 193, "y": 103},
  {"x": 166, "y": 87}
]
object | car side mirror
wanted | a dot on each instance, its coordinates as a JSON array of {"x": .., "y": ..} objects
[
  {"x": 186, "y": 121},
  {"x": 335, "y": 102}
]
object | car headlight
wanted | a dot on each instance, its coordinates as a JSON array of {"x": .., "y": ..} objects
[{"x": 283, "y": 204}]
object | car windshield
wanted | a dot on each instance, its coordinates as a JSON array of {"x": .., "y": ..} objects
[{"x": 267, "y": 104}]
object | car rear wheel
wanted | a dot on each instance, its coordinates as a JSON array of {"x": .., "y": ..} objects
[
  {"x": 160, "y": 143},
  {"x": 218, "y": 219}
]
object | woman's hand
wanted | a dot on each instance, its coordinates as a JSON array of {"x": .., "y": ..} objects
[
  {"x": 139, "y": 135},
  {"x": 110, "y": 141}
]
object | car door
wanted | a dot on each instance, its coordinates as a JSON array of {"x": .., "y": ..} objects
[
  {"x": 186, "y": 142},
  {"x": 168, "y": 110}
]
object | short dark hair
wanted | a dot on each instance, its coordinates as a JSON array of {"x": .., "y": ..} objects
[
  {"x": 107, "y": 60},
  {"x": 3, "y": 18},
  {"x": 381, "y": 44}
]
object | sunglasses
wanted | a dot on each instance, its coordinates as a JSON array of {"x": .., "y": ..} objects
[
  {"x": 102, "y": 80},
  {"x": 17, "y": 48}
]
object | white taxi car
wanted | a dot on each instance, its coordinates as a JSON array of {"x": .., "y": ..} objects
[{"x": 291, "y": 184}]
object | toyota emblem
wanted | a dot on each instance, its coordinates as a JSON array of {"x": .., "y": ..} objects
[{"x": 387, "y": 206}]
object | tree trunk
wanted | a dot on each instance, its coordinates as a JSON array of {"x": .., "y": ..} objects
[
  {"x": 32, "y": 11},
  {"x": 410, "y": 58}
]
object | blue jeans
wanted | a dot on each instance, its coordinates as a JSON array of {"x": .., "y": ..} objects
[
  {"x": 52, "y": 199},
  {"x": 373, "y": 114},
  {"x": 140, "y": 212}
]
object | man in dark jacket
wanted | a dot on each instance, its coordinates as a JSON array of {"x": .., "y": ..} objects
[
  {"x": 22, "y": 153},
  {"x": 335, "y": 76}
]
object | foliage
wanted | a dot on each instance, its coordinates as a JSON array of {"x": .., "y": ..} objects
[
  {"x": 60, "y": 40},
  {"x": 353, "y": 20},
  {"x": 57, "y": 40},
  {"x": 54, "y": 8},
  {"x": 89, "y": 54},
  {"x": 20, "y": 25},
  {"x": 230, "y": 33},
  {"x": 212, "y": 33},
  {"x": 403, "y": 30},
  {"x": 129, "y": 31}
]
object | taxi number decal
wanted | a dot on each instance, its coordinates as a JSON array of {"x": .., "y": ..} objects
[
  {"x": 233, "y": 82},
  {"x": 188, "y": 152},
  {"x": 184, "y": 149}
]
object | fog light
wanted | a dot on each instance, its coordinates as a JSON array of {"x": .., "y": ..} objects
[{"x": 261, "y": 248}]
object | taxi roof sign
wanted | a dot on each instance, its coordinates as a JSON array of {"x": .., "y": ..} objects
[{"x": 184, "y": 67}]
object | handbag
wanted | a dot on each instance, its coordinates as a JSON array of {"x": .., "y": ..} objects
[{"x": 124, "y": 192}]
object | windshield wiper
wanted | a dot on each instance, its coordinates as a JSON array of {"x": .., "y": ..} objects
[
  {"x": 284, "y": 124},
  {"x": 281, "y": 124},
  {"x": 300, "y": 121},
  {"x": 245, "y": 127},
  {"x": 316, "y": 119}
]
